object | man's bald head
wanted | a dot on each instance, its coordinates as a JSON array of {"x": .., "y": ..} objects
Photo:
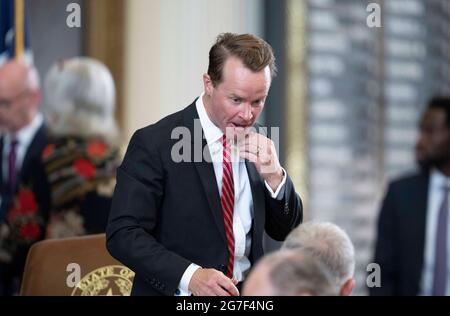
[
  {"x": 16, "y": 73},
  {"x": 19, "y": 95}
]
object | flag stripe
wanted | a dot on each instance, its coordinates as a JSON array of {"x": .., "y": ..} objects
[{"x": 19, "y": 26}]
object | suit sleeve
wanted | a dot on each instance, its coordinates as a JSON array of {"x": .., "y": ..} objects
[
  {"x": 283, "y": 215},
  {"x": 385, "y": 248},
  {"x": 134, "y": 216}
]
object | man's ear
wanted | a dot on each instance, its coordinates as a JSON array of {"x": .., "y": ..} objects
[
  {"x": 347, "y": 288},
  {"x": 208, "y": 85},
  {"x": 35, "y": 96}
]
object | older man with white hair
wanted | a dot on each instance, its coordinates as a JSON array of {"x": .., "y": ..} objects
[
  {"x": 332, "y": 246},
  {"x": 24, "y": 193}
]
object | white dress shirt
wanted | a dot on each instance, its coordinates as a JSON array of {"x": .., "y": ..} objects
[
  {"x": 24, "y": 138},
  {"x": 243, "y": 201},
  {"x": 435, "y": 197}
]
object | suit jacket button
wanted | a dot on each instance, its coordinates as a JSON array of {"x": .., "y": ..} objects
[{"x": 177, "y": 292}]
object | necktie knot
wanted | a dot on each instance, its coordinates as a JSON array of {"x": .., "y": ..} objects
[
  {"x": 225, "y": 142},
  {"x": 14, "y": 143}
]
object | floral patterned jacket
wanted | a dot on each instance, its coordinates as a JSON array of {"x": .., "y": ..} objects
[{"x": 81, "y": 173}]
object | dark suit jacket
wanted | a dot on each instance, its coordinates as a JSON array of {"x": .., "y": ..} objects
[
  {"x": 401, "y": 236},
  {"x": 32, "y": 175},
  {"x": 32, "y": 171},
  {"x": 167, "y": 215}
]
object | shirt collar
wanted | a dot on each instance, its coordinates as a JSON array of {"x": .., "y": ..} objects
[
  {"x": 212, "y": 132},
  {"x": 438, "y": 179},
  {"x": 25, "y": 135}
]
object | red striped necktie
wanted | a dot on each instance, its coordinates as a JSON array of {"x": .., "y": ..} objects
[{"x": 227, "y": 201}]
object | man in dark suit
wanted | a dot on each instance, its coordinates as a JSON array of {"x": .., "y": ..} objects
[
  {"x": 412, "y": 244},
  {"x": 24, "y": 195},
  {"x": 188, "y": 213}
]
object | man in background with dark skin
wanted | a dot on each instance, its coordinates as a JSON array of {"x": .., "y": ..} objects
[{"x": 412, "y": 244}]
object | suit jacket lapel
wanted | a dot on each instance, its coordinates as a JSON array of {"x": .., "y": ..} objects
[
  {"x": 34, "y": 150},
  {"x": 205, "y": 169},
  {"x": 258, "y": 197},
  {"x": 5, "y": 196},
  {"x": 420, "y": 201},
  {"x": 257, "y": 194},
  {"x": 1, "y": 165}
]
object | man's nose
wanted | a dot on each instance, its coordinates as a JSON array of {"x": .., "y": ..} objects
[{"x": 246, "y": 113}]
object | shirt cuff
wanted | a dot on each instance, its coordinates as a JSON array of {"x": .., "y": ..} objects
[
  {"x": 279, "y": 192},
  {"x": 183, "y": 288}
]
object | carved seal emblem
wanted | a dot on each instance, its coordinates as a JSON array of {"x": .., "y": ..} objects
[{"x": 106, "y": 281}]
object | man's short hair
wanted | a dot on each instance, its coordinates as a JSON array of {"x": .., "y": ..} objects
[
  {"x": 295, "y": 272},
  {"x": 441, "y": 103},
  {"x": 327, "y": 242},
  {"x": 254, "y": 52}
]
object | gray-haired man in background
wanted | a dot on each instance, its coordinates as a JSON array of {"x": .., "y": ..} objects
[
  {"x": 290, "y": 273},
  {"x": 332, "y": 246}
]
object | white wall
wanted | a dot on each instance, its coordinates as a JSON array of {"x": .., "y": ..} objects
[{"x": 167, "y": 44}]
